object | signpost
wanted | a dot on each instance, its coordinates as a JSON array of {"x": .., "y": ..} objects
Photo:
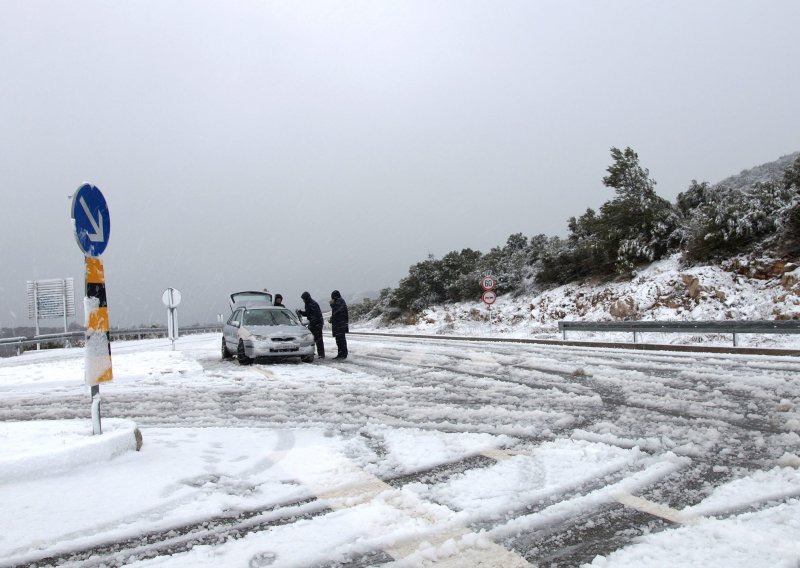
[
  {"x": 51, "y": 298},
  {"x": 489, "y": 295},
  {"x": 92, "y": 225},
  {"x": 171, "y": 299}
]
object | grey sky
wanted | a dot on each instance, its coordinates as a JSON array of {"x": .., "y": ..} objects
[{"x": 322, "y": 145}]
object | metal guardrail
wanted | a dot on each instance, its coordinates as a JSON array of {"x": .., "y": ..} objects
[
  {"x": 638, "y": 327},
  {"x": 77, "y": 337},
  {"x": 13, "y": 342},
  {"x": 145, "y": 332}
]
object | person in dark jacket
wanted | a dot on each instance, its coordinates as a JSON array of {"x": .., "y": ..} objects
[
  {"x": 278, "y": 301},
  {"x": 340, "y": 323},
  {"x": 315, "y": 322}
]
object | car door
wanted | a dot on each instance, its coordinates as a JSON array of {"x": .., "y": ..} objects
[{"x": 231, "y": 329}]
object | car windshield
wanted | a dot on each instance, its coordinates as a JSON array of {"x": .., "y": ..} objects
[{"x": 268, "y": 317}]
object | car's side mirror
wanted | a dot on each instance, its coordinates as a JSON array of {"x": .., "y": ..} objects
[{"x": 235, "y": 324}]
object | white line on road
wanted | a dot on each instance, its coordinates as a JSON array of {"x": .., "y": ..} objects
[
  {"x": 655, "y": 509},
  {"x": 447, "y": 545}
]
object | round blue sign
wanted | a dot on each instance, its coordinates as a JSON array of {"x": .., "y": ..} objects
[{"x": 91, "y": 220}]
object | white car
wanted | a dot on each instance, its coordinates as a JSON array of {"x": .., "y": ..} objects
[{"x": 256, "y": 329}]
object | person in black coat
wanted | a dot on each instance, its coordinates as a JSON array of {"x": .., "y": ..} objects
[
  {"x": 315, "y": 322},
  {"x": 340, "y": 323}
]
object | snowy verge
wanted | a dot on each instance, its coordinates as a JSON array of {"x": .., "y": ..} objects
[
  {"x": 35, "y": 449},
  {"x": 663, "y": 291}
]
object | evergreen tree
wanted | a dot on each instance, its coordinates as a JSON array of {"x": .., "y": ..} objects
[
  {"x": 790, "y": 237},
  {"x": 731, "y": 221},
  {"x": 637, "y": 225},
  {"x": 791, "y": 176}
]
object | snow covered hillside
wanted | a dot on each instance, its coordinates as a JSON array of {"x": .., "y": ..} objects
[
  {"x": 746, "y": 179},
  {"x": 662, "y": 291}
]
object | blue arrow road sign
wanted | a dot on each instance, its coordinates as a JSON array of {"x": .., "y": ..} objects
[{"x": 91, "y": 219}]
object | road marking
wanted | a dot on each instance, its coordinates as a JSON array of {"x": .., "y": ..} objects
[
  {"x": 458, "y": 546},
  {"x": 655, "y": 509},
  {"x": 267, "y": 373},
  {"x": 502, "y": 455}
]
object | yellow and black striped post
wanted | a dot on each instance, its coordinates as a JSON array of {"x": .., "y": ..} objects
[
  {"x": 98, "y": 341},
  {"x": 92, "y": 224}
]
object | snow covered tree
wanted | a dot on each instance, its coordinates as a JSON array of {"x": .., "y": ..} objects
[
  {"x": 790, "y": 237},
  {"x": 460, "y": 274},
  {"x": 566, "y": 260},
  {"x": 637, "y": 225},
  {"x": 508, "y": 265},
  {"x": 435, "y": 281},
  {"x": 693, "y": 198},
  {"x": 791, "y": 176},
  {"x": 634, "y": 227},
  {"x": 731, "y": 221}
]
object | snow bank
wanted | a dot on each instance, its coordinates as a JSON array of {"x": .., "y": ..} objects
[{"x": 35, "y": 449}]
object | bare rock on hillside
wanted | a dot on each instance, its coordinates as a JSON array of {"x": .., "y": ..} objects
[
  {"x": 624, "y": 308},
  {"x": 791, "y": 279},
  {"x": 757, "y": 268},
  {"x": 693, "y": 287}
]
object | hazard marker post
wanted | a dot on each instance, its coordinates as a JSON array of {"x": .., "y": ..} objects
[{"x": 92, "y": 224}]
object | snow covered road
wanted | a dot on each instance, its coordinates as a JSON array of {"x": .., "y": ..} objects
[{"x": 416, "y": 452}]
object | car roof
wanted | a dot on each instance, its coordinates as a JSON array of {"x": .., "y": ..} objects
[{"x": 250, "y": 298}]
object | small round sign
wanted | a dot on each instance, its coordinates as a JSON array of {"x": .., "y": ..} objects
[
  {"x": 171, "y": 298},
  {"x": 489, "y": 297},
  {"x": 487, "y": 283}
]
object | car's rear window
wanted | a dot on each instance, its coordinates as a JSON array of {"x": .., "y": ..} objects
[
  {"x": 268, "y": 317},
  {"x": 252, "y": 298}
]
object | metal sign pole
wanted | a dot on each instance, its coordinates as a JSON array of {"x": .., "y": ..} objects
[
  {"x": 64, "y": 302},
  {"x": 97, "y": 425},
  {"x": 64, "y": 305},
  {"x": 172, "y": 298},
  {"x": 36, "y": 311},
  {"x": 489, "y": 296},
  {"x": 171, "y": 326}
]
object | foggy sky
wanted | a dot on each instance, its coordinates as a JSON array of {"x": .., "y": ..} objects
[{"x": 331, "y": 145}]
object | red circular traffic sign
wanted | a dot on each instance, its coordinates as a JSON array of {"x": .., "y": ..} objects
[
  {"x": 487, "y": 283},
  {"x": 489, "y": 297}
]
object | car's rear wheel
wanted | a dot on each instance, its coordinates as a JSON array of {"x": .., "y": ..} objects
[
  {"x": 225, "y": 353},
  {"x": 241, "y": 355}
]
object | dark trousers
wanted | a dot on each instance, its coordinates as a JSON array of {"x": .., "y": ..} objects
[
  {"x": 341, "y": 345},
  {"x": 317, "y": 333}
]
